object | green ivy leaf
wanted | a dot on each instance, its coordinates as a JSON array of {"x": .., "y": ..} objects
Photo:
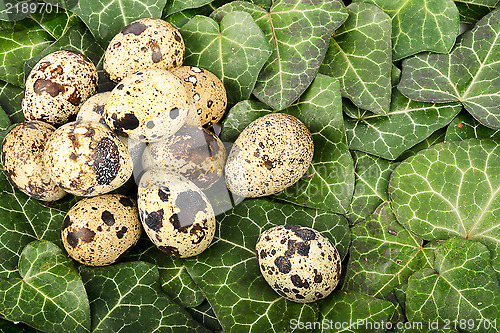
[
  {"x": 174, "y": 279},
  {"x": 329, "y": 182},
  {"x": 420, "y": 25},
  {"x": 407, "y": 123},
  {"x": 175, "y": 6},
  {"x": 468, "y": 74},
  {"x": 298, "y": 33},
  {"x": 49, "y": 295},
  {"x": 383, "y": 254},
  {"x": 4, "y": 123},
  {"x": 55, "y": 23},
  {"x": 464, "y": 127},
  {"x": 461, "y": 285},
  {"x": 353, "y": 312},
  {"x": 205, "y": 315},
  {"x": 11, "y": 327},
  {"x": 228, "y": 273},
  {"x": 434, "y": 138},
  {"x": 360, "y": 57},
  {"x": 372, "y": 178},
  {"x": 10, "y": 101},
  {"x": 235, "y": 52},
  {"x": 473, "y": 10},
  {"x": 23, "y": 221},
  {"x": 128, "y": 296},
  {"x": 451, "y": 190}
]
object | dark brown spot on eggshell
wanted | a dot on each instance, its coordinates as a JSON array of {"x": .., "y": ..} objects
[
  {"x": 84, "y": 234},
  {"x": 197, "y": 231},
  {"x": 283, "y": 264},
  {"x": 263, "y": 254},
  {"x": 108, "y": 218},
  {"x": 176, "y": 36},
  {"x": 164, "y": 193},
  {"x": 127, "y": 122},
  {"x": 121, "y": 232},
  {"x": 67, "y": 222},
  {"x": 170, "y": 250},
  {"x": 52, "y": 88},
  {"x": 135, "y": 28},
  {"x": 106, "y": 161},
  {"x": 75, "y": 98},
  {"x": 297, "y": 282},
  {"x": 156, "y": 55},
  {"x": 73, "y": 156},
  {"x": 154, "y": 220},
  {"x": 189, "y": 204}
]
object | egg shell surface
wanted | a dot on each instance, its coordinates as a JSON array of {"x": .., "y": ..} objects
[
  {"x": 22, "y": 160},
  {"x": 143, "y": 44},
  {"x": 269, "y": 155},
  {"x": 175, "y": 214},
  {"x": 57, "y": 86},
  {"x": 147, "y": 106},
  {"x": 98, "y": 230},
  {"x": 87, "y": 159},
  {"x": 299, "y": 263},
  {"x": 93, "y": 108}
]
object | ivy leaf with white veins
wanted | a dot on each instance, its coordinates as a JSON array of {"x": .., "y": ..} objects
[
  {"x": 205, "y": 315},
  {"x": 353, "y": 312},
  {"x": 407, "y": 123},
  {"x": 461, "y": 285},
  {"x": 420, "y": 25},
  {"x": 299, "y": 33},
  {"x": 360, "y": 57},
  {"x": 464, "y": 127},
  {"x": 49, "y": 295},
  {"x": 473, "y": 10},
  {"x": 451, "y": 190},
  {"x": 229, "y": 275},
  {"x": 175, "y": 6},
  {"x": 10, "y": 101},
  {"x": 372, "y": 178},
  {"x": 127, "y": 297},
  {"x": 468, "y": 74},
  {"x": 23, "y": 221},
  {"x": 329, "y": 182},
  {"x": 435, "y": 138},
  {"x": 235, "y": 52},
  {"x": 383, "y": 254}
]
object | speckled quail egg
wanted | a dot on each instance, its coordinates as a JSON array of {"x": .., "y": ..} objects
[
  {"x": 98, "y": 230},
  {"x": 93, "y": 108},
  {"x": 147, "y": 105},
  {"x": 207, "y": 94},
  {"x": 144, "y": 44},
  {"x": 193, "y": 152},
  {"x": 175, "y": 214},
  {"x": 299, "y": 263},
  {"x": 57, "y": 87},
  {"x": 22, "y": 159},
  {"x": 269, "y": 155},
  {"x": 87, "y": 159}
]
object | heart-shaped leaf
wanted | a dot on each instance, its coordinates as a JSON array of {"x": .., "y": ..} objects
[
  {"x": 299, "y": 33},
  {"x": 464, "y": 127},
  {"x": 468, "y": 74},
  {"x": 461, "y": 286},
  {"x": 235, "y": 52},
  {"x": 49, "y": 295},
  {"x": 23, "y": 221},
  {"x": 407, "y": 123},
  {"x": 10, "y": 101},
  {"x": 347, "y": 311},
  {"x": 473, "y": 10},
  {"x": 451, "y": 189},
  {"x": 329, "y": 182},
  {"x": 420, "y": 25},
  {"x": 360, "y": 57},
  {"x": 383, "y": 254},
  {"x": 229, "y": 275},
  {"x": 372, "y": 177},
  {"x": 128, "y": 296}
]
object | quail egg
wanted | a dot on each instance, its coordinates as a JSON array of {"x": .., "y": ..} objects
[
  {"x": 269, "y": 155},
  {"x": 22, "y": 159},
  {"x": 175, "y": 214},
  {"x": 93, "y": 108},
  {"x": 57, "y": 87},
  {"x": 299, "y": 263},
  {"x": 87, "y": 159},
  {"x": 147, "y": 106},
  {"x": 144, "y": 44},
  {"x": 207, "y": 94},
  {"x": 98, "y": 230},
  {"x": 192, "y": 152}
]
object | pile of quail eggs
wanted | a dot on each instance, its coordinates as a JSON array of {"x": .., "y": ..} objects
[{"x": 154, "y": 127}]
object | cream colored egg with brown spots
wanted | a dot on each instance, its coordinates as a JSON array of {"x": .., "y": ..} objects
[
  {"x": 87, "y": 159},
  {"x": 144, "y": 44},
  {"x": 299, "y": 263},
  {"x": 147, "y": 106},
  {"x": 22, "y": 160},
  {"x": 207, "y": 94},
  {"x": 193, "y": 152},
  {"x": 270, "y": 154},
  {"x": 93, "y": 108},
  {"x": 175, "y": 214},
  {"x": 98, "y": 230},
  {"x": 57, "y": 86}
]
